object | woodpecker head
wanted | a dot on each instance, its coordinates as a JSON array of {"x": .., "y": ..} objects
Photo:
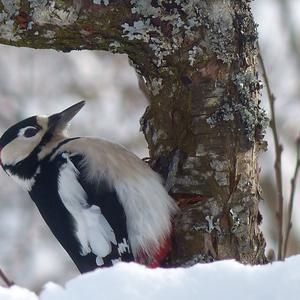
[{"x": 27, "y": 136}]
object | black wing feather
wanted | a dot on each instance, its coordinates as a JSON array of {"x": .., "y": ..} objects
[{"x": 45, "y": 195}]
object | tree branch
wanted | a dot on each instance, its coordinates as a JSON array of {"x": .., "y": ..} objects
[
  {"x": 277, "y": 165},
  {"x": 65, "y": 25},
  {"x": 5, "y": 279},
  {"x": 291, "y": 200}
]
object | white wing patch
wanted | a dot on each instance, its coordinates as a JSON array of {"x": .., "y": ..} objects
[{"x": 92, "y": 229}]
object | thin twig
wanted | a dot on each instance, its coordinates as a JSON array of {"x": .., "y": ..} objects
[
  {"x": 291, "y": 200},
  {"x": 278, "y": 152},
  {"x": 5, "y": 279}
]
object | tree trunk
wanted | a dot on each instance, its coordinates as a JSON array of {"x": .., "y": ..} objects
[{"x": 196, "y": 61}]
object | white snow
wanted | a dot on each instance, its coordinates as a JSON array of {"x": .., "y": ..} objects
[
  {"x": 16, "y": 293},
  {"x": 226, "y": 280}
]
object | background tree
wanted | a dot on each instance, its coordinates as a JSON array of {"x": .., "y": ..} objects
[{"x": 197, "y": 65}]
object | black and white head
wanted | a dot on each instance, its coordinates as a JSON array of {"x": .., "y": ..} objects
[{"x": 26, "y": 139}]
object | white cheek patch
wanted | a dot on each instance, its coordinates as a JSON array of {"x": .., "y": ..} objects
[
  {"x": 93, "y": 231},
  {"x": 19, "y": 149},
  {"x": 15, "y": 151}
]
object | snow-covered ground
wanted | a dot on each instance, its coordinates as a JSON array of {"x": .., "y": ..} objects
[{"x": 226, "y": 280}]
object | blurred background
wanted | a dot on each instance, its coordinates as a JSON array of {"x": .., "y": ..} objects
[{"x": 44, "y": 82}]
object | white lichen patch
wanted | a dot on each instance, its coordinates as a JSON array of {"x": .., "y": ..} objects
[
  {"x": 193, "y": 53},
  {"x": 145, "y": 8},
  {"x": 220, "y": 165},
  {"x": 140, "y": 30},
  {"x": 222, "y": 178},
  {"x": 191, "y": 163},
  {"x": 212, "y": 225},
  {"x": 221, "y": 171},
  {"x": 105, "y": 2},
  {"x": 191, "y": 25},
  {"x": 173, "y": 90},
  {"x": 35, "y": 3},
  {"x": 29, "y": 25},
  {"x": 254, "y": 118},
  {"x": 236, "y": 222},
  {"x": 221, "y": 20},
  {"x": 189, "y": 6},
  {"x": 156, "y": 85},
  {"x": 221, "y": 14},
  {"x": 7, "y": 31},
  {"x": 147, "y": 30},
  {"x": 49, "y": 34},
  {"x": 161, "y": 50},
  {"x": 224, "y": 113},
  {"x": 199, "y": 227},
  {"x": 144, "y": 31},
  {"x": 49, "y": 13},
  {"x": 114, "y": 46},
  {"x": 244, "y": 183},
  {"x": 3, "y": 17},
  {"x": 11, "y": 7}
]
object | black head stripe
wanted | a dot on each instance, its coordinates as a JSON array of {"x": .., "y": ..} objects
[
  {"x": 28, "y": 166},
  {"x": 11, "y": 133}
]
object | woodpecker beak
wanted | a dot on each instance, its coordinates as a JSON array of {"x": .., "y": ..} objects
[{"x": 58, "y": 122}]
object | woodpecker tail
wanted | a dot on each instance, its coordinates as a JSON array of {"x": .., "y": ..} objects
[{"x": 159, "y": 256}]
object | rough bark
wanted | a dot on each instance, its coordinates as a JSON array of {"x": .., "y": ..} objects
[{"x": 196, "y": 60}]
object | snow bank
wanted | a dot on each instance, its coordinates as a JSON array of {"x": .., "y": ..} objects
[
  {"x": 226, "y": 280},
  {"x": 16, "y": 293}
]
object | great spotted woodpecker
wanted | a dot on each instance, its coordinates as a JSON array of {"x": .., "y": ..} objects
[{"x": 102, "y": 203}]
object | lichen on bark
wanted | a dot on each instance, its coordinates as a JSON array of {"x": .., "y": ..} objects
[
  {"x": 196, "y": 62},
  {"x": 213, "y": 130}
]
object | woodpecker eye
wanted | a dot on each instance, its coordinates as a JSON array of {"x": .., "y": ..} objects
[{"x": 30, "y": 132}]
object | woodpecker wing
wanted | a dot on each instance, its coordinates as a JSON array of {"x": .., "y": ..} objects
[
  {"x": 108, "y": 171},
  {"x": 99, "y": 217}
]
